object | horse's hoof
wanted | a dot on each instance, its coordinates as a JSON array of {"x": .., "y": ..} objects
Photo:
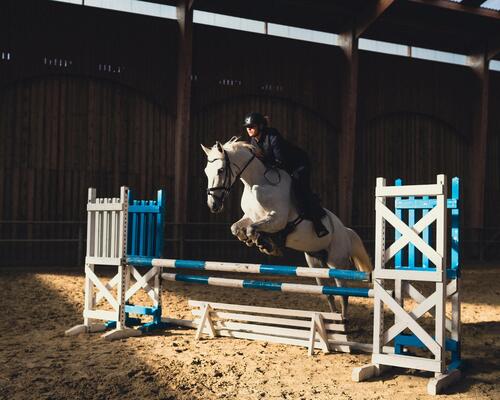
[
  {"x": 277, "y": 253},
  {"x": 273, "y": 253},
  {"x": 242, "y": 238},
  {"x": 252, "y": 233},
  {"x": 268, "y": 247}
]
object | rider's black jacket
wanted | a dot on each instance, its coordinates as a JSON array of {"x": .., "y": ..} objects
[{"x": 280, "y": 153}]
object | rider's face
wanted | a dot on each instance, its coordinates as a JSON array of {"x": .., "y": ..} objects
[{"x": 253, "y": 131}]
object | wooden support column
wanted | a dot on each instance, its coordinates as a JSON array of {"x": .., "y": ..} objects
[
  {"x": 347, "y": 146},
  {"x": 479, "y": 138},
  {"x": 348, "y": 42},
  {"x": 182, "y": 124}
]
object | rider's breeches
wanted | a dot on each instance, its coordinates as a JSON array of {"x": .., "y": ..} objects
[{"x": 308, "y": 202}]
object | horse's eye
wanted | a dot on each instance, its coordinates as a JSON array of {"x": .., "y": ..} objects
[{"x": 220, "y": 171}]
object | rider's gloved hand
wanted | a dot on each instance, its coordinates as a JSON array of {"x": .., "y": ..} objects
[
  {"x": 258, "y": 153},
  {"x": 296, "y": 173}
]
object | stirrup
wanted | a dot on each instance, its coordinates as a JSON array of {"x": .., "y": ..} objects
[
  {"x": 322, "y": 232},
  {"x": 320, "y": 229}
]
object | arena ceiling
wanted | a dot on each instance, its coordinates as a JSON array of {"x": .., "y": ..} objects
[{"x": 459, "y": 27}]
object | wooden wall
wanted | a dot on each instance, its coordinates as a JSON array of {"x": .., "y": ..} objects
[
  {"x": 107, "y": 119},
  {"x": 84, "y": 101},
  {"x": 414, "y": 123}
]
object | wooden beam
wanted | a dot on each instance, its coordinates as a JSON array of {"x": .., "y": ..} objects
[
  {"x": 479, "y": 140},
  {"x": 182, "y": 123},
  {"x": 450, "y": 5},
  {"x": 371, "y": 15},
  {"x": 349, "y": 45}
]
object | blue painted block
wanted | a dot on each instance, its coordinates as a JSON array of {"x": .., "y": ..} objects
[
  {"x": 414, "y": 341},
  {"x": 265, "y": 285},
  {"x": 419, "y": 203},
  {"x": 144, "y": 208},
  {"x": 203, "y": 280},
  {"x": 110, "y": 324},
  {"x": 343, "y": 291},
  {"x": 349, "y": 275},
  {"x": 459, "y": 364},
  {"x": 140, "y": 261},
  {"x": 190, "y": 264},
  {"x": 146, "y": 226},
  {"x": 142, "y": 310},
  {"x": 152, "y": 326},
  {"x": 278, "y": 270}
]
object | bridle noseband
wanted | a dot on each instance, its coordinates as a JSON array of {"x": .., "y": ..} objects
[{"x": 228, "y": 174}]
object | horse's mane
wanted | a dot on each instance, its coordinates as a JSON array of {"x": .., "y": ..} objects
[{"x": 235, "y": 144}]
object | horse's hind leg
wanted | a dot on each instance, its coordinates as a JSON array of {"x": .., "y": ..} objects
[
  {"x": 344, "y": 300},
  {"x": 343, "y": 264},
  {"x": 313, "y": 262}
]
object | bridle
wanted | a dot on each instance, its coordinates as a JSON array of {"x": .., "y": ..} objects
[{"x": 228, "y": 174}]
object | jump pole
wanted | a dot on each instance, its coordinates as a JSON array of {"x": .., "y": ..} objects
[
  {"x": 269, "y": 285},
  {"x": 325, "y": 273}
]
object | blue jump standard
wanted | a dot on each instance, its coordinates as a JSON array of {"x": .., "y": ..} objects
[{"x": 250, "y": 268}]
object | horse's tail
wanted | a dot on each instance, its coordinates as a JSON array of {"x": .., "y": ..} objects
[{"x": 359, "y": 255}]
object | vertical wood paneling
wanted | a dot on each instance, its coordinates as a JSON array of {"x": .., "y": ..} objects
[
  {"x": 59, "y": 145},
  {"x": 409, "y": 146},
  {"x": 64, "y": 129}
]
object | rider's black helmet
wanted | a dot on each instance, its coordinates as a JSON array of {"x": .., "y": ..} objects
[{"x": 256, "y": 119}]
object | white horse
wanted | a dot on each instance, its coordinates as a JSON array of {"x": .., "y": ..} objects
[{"x": 268, "y": 207}]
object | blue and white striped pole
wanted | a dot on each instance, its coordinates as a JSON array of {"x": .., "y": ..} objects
[
  {"x": 268, "y": 285},
  {"x": 250, "y": 268}
]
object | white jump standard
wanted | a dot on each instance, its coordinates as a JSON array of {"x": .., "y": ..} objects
[
  {"x": 117, "y": 227},
  {"x": 443, "y": 282}
]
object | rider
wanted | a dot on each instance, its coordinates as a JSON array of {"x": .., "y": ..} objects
[{"x": 275, "y": 151}]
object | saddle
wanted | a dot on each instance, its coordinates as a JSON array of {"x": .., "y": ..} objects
[
  {"x": 308, "y": 207},
  {"x": 277, "y": 240}
]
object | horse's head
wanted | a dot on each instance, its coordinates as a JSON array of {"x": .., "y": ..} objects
[{"x": 219, "y": 174}]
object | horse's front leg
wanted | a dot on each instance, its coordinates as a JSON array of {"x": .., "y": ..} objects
[
  {"x": 273, "y": 222},
  {"x": 239, "y": 229},
  {"x": 260, "y": 232}
]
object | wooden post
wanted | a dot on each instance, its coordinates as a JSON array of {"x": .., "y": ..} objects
[
  {"x": 182, "y": 125},
  {"x": 349, "y": 44},
  {"x": 479, "y": 138}
]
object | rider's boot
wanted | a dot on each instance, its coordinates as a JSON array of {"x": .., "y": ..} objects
[
  {"x": 320, "y": 229},
  {"x": 316, "y": 213}
]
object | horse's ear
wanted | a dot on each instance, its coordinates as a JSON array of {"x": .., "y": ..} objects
[
  {"x": 219, "y": 147},
  {"x": 205, "y": 149}
]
